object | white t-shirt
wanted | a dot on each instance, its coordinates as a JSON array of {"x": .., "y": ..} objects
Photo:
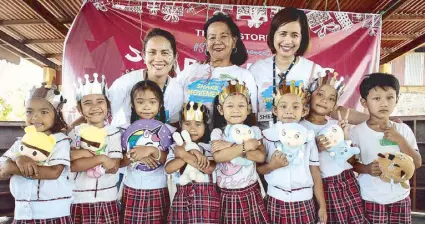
[
  {"x": 119, "y": 96},
  {"x": 232, "y": 176},
  {"x": 294, "y": 178},
  {"x": 206, "y": 149},
  {"x": 328, "y": 166},
  {"x": 103, "y": 189},
  {"x": 373, "y": 188},
  {"x": 197, "y": 87},
  {"x": 262, "y": 70}
]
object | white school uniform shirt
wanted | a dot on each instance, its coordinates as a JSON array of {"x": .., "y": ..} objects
[
  {"x": 42, "y": 199},
  {"x": 373, "y": 188},
  {"x": 232, "y": 176},
  {"x": 146, "y": 180},
  {"x": 103, "y": 189},
  {"x": 119, "y": 96},
  {"x": 291, "y": 177},
  {"x": 262, "y": 70},
  {"x": 198, "y": 88},
  {"x": 206, "y": 150},
  {"x": 328, "y": 166}
]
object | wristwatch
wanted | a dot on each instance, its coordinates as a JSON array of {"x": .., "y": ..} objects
[{"x": 243, "y": 150}]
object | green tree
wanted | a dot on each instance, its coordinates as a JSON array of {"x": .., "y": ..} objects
[{"x": 5, "y": 110}]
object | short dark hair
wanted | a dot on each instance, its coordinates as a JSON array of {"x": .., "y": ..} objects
[
  {"x": 382, "y": 80},
  {"x": 156, "y": 90},
  {"x": 241, "y": 55},
  {"x": 285, "y": 16},
  {"x": 60, "y": 125}
]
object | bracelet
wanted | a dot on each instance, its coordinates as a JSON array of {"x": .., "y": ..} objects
[
  {"x": 243, "y": 150},
  {"x": 159, "y": 155}
]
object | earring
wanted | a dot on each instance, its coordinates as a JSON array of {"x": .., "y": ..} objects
[
  {"x": 206, "y": 53},
  {"x": 234, "y": 50}
]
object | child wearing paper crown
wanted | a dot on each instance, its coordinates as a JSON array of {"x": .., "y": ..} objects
[
  {"x": 384, "y": 202},
  {"x": 292, "y": 163},
  {"x": 95, "y": 157},
  {"x": 236, "y": 149},
  {"x": 38, "y": 165},
  {"x": 197, "y": 199},
  {"x": 342, "y": 194}
]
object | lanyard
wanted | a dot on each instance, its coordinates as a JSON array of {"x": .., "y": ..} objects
[
  {"x": 283, "y": 75},
  {"x": 165, "y": 85}
]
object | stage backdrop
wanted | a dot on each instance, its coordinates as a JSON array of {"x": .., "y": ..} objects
[{"x": 106, "y": 38}]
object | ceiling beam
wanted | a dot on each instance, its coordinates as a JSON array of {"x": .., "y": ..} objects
[
  {"x": 395, "y": 37},
  {"x": 18, "y": 46},
  {"x": 46, "y": 15},
  {"x": 53, "y": 55},
  {"x": 42, "y": 41},
  {"x": 406, "y": 48},
  {"x": 28, "y": 22},
  {"x": 409, "y": 18},
  {"x": 392, "y": 7}
]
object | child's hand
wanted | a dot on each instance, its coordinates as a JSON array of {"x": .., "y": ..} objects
[
  {"x": 343, "y": 123},
  {"x": 80, "y": 153},
  {"x": 323, "y": 217},
  {"x": 150, "y": 162},
  {"x": 108, "y": 163},
  {"x": 252, "y": 144},
  {"x": 322, "y": 143},
  {"x": 141, "y": 152},
  {"x": 373, "y": 169},
  {"x": 114, "y": 169},
  {"x": 203, "y": 161},
  {"x": 278, "y": 160},
  {"x": 27, "y": 166},
  {"x": 219, "y": 145},
  {"x": 179, "y": 151},
  {"x": 5, "y": 170},
  {"x": 391, "y": 134}
]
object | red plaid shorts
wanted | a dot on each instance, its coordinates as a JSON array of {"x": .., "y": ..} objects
[
  {"x": 280, "y": 212},
  {"x": 145, "y": 206},
  {"x": 394, "y": 213},
  {"x": 96, "y": 213},
  {"x": 59, "y": 220}
]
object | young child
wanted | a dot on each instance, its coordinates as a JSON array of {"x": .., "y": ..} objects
[
  {"x": 95, "y": 146},
  {"x": 42, "y": 192},
  {"x": 342, "y": 193},
  {"x": 241, "y": 200},
  {"x": 291, "y": 186},
  {"x": 197, "y": 201},
  {"x": 384, "y": 202},
  {"x": 145, "y": 196}
]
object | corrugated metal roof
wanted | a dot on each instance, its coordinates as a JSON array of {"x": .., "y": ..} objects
[
  {"x": 16, "y": 10},
  {"x": 42, "y": 31}
]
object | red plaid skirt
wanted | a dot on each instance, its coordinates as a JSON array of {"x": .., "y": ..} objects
[
  {"x": 243, "y": 206},
  {"x": 59, "y": 220},
  {"x": 145, "y": 206},
  {"x": 280, "y": 212},
  {"x": 395, "y": 213},
  {"x": 344, "y": 203},
  {"x": 96, "y": 213},
  {"x": 195, "y": 203}
]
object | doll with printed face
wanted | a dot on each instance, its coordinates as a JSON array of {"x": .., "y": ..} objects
[
  {"x": 93, "y": 139},
  {"x": 37, "y": 145}
]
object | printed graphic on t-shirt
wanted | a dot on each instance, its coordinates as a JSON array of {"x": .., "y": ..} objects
[
  {"x": 386, "y": 142},
  {"x": 229, "y": 175},
  {"x": 267, "y": 94},
  {"x": 204, "y": 90},
  {"x": 167, "y": 116}
]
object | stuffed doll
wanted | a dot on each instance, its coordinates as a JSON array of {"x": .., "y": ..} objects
[
  {"x": 396, "y": 168},
  {"x": 238, "y": 134},
  {"x": 36, "y": 145},
  {"x": 340, "y": 150},
  {"x": 93, "y": 139},
  {"x": 293, "y": 137},
  {"x": 190, "y": 173}
]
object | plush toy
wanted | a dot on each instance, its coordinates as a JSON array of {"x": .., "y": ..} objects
[
  {"x": 190, "y": 173},
  {"x": 37, "y": 145},
  {"x": 93, "y": 138},
  {"x": 293, "y": 137},
  {"x": 238, "y": 134},
  {"x": 396, "y": 167},
  {"x": 340, "y": 150},
  {"x": 146, "y": 132}
]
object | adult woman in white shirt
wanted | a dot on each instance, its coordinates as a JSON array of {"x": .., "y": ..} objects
[{"x": 288, "y": 40}]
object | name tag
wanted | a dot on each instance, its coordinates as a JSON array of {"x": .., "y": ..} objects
[
  {"x": 385, "y": 142},
  {"x": 265, "y": 116}
]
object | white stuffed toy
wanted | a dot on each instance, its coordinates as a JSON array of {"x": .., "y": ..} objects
[
  {"x": 190, "y": 173},
  {"x": 340, "y": 149},
  {"x": 238, "y": 134},
  {"x": 293, "y": 137}
]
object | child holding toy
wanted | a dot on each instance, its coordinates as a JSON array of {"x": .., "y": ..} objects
[
  {"x": 241, "y": 200},
  {"x": 41, "y": 190},
  {"x": 343, "y": 201},
  {"x": 192, "y": 165},
  {"x": 95, "y": 157},
  {"x": 292, "y": 164},
  {"x": 384, "y": 202}
]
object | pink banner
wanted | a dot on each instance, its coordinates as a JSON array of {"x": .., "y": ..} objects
[{"x": 105, "y": 38}]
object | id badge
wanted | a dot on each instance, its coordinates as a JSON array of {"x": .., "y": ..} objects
[{"x": 265, "y": 116}]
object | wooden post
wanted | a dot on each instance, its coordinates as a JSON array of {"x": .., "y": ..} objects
[
  {"x": 49, "y": 76},
  {"x": 385, "y": 68}
]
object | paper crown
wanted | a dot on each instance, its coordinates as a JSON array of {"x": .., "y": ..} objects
[
  {"x": 90, "y": 87},
  {"x": 329, "y": 78},
  {"x": 193, "y": 111},
  {"x": 284, "y": 88},
  {"x": 233, "y": 87},
  {"x": 38, "y": 140},
  {"x": 51, "y": 94}
]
